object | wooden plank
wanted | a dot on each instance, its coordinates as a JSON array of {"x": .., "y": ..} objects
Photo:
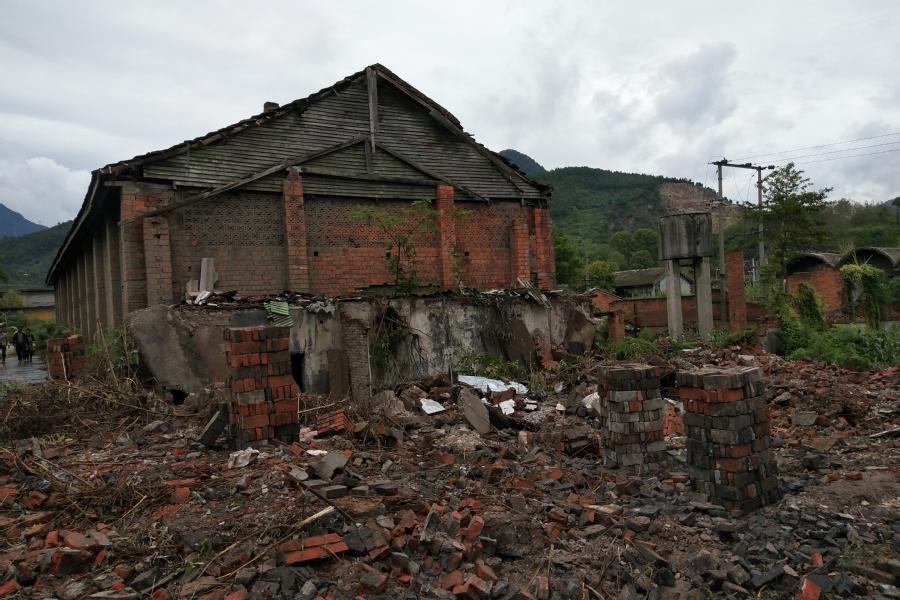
[{"x": 244, "y": 180}]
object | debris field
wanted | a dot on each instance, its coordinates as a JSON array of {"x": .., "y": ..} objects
[{"x": 430, "y": 492}]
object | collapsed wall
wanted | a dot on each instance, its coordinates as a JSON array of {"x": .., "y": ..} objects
[{"x": 726, "y": 421}]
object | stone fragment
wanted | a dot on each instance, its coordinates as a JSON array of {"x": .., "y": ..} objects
[
  {"x": 474, "y": 411},
  {"x": 331, "y": 463}
]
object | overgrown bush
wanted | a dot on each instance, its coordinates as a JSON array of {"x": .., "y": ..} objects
[
  {"x": 721, "y": 338},
  {"x": 490, "y": 365},
  {"x": 633, "y": 348},
  {"x": 809, "y": 307},
  {"x": 866, "y": 289},
  {"x": 851, "y": 347}
]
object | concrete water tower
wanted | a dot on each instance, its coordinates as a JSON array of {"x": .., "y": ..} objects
[{"x": 687, "y": 236}]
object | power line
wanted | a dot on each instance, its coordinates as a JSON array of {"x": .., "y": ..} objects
[
  {"x": 839, "y": 151},
  {"x": 809, "y": 162},
  {"x": 873, "y": 137}
]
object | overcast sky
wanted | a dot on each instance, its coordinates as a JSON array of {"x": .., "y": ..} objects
[{"x": 652, "y": 87}]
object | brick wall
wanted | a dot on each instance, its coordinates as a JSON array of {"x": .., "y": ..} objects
[
  {"x": 484, "y": 244},
  {"x": 158, "y": 260},
  {"x": 825, "y": 280},
  {"x": 243, "y": 232}
]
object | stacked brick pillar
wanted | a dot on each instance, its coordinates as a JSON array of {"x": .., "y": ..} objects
[
  {"x": 262, "y": 397},
  {"x": 727, "y": 426},
  {"x": 446, "y": 235},
  {"x": 65, "y": 357},
  {"x": 632, "y": 416}
]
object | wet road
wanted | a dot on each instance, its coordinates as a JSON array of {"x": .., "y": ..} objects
[{"x": 33, "y": 372}]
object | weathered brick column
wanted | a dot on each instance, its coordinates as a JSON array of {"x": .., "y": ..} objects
[
  {"x": 737, "y": 297},
  {"x": 295, "y": 233},
  {"x": 632, "y": 416},
  {"x": 446, "y": 234},
  {"x": 262, "y": 397},
  {"x": 729, "y": 452},
  {"x": 157, "y": 260},
  {"x": 519, "y": 262},
  {"x": 545, "y": 257}
]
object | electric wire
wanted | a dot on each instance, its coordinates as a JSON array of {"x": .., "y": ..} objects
[{"x": 862, "y": 139}]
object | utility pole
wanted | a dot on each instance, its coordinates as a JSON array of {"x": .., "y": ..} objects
[
  {"x": 759, "y": 191},
  {"x": 762, "y": 250},
  {"x": 723, "y": 291}
]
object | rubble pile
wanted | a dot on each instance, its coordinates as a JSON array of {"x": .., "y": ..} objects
[
  {"x": 261, "y": 393},
  {"x": 728, "y": 436},
  {"x": 632, "y": 411},
  {"x": 404, "y": 501}
]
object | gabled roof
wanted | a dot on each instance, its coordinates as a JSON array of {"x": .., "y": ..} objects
[
  {"x": 641, "y": 277},
  {"x": 436, "y": 111}
]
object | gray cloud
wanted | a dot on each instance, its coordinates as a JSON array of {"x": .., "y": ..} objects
[{"x": 656, "y": 89}]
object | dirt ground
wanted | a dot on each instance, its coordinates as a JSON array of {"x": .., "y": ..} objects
[{"x": 123, "y": 501}]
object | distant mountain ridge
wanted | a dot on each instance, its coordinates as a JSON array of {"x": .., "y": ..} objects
[
  {"x": 591, "y": 204},
  {"x": 14, "y": 224},
  {"x": 27, "y": 258}
]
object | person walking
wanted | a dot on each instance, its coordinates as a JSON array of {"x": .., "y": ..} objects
[
  {"x": 29, "y": 344},
  {"x": 20, "y": 342},
  {"x": 4, "y": 340}
]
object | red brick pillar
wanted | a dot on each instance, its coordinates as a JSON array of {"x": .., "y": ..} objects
[
  {"x": 545, "y": 258},
  {"x": 157, "y": 260},
  {"x": 446, "y": 235},
  {"x": 295, "y": 233},
  {"x": 615, "y": 326},
  {"x": 135, "y": 201},
  {"x": 519, "y": 267},
  {"x": 737, "y": 301}
]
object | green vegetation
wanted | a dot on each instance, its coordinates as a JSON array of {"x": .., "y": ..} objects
[
  {"x": 405, "y": 230},
  {"x": 600, "y": 274},
  {"x": 490, "y": 365},
  {"x": 27, "y": 258},
  {"x": 791, "y": 214},
  {"x": 866, "y": 288},
  {"x": 805, "y": 334}
]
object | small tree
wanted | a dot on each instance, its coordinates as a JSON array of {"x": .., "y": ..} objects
[
  {"x": 896, "y": 205},
  {"x": 601, "y": 274},
  {"x": 791, "y": 215},
  {"x": 404, "y": 230},
  {"x": 569, "y": 263},
  {"x": 4, "y": 276}
]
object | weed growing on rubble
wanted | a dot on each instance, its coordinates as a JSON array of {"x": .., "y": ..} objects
[
  {"x": 490, "y": 365},
  {"x": 633, "y": 348}
]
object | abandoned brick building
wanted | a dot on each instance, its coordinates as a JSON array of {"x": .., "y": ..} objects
[{"x": 271, "y": 200}]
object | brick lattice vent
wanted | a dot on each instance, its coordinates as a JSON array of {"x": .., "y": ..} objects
[
  {"x": 632, "y": 409},
  {"x": 729, "y": 447},
  {"x": 262, "y": 399}
]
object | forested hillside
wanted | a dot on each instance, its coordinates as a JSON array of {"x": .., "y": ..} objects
[{"x": 27, "y": 258}]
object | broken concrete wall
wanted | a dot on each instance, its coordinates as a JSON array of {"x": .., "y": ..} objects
[{"x": 183, "y": 347}]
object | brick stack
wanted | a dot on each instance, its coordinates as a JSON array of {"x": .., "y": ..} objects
[
  {"x": 65, "y": 357},
  {"x": 631, "y": 415},
  {"x": 729, "y": 452},
  {"x": 263, "y": 399}
]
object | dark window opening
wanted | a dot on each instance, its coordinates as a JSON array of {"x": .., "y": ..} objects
[{"x": 297, "y": 359}]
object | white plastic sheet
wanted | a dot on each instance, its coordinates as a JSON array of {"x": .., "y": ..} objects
[{"x": 485, "y": 384}]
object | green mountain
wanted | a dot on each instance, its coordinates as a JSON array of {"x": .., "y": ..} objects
[
  {"x": 27, "y": 258},
  {"x": 592, "y": 204}
]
